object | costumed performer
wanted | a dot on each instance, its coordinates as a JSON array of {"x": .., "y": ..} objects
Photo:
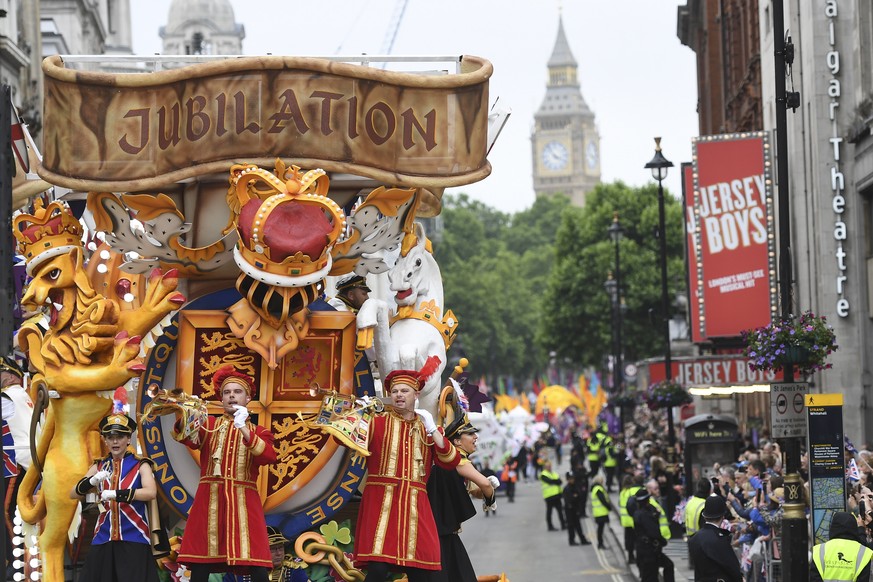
[
  {"x": 17, "y": 413},
  {"x": 449, "y": 493},
  {"x": 226, "y": 529},
  {"x": 396, "y": 529},
  {"x": 121, "y": 549},
  {"x": 285, "y": 568},
  {"x": 351, "y": 292}
]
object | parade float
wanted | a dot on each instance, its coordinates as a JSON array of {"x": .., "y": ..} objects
[{"x": 219, "y": 199}]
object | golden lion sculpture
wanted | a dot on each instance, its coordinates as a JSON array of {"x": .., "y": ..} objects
[{"x": 90, "y": 345}]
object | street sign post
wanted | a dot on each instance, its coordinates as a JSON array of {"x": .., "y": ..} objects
[
  {"x": 787, "y": 410},
  {"x": 827, "y": 466}
]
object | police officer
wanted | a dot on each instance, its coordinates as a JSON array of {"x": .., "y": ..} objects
[
  {"x": 844, "y": 556},
  {"x": 626, "y": 508},
  {"x": 649, "y": 541},
  {"x": 610, "y": 461},
  {"x": 694, "y": 509},
  {"x": 594, "y": 444},
  {"x": 551, "y": 485},
  {"x": 710, "y": 548}
]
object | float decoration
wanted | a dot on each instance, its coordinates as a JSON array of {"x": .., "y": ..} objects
[
  {"x": 287, "y": 228},
  {"x": 159, "y": 243},
  {"x": 406, "y": 334},
  {"x": 143, "y": 131},
  {"x": 86, "y": 345}
]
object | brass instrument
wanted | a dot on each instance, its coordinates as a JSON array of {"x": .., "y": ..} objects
[
  {"x": 346, "y": 417},
  {"x": 192, "y": 410}
]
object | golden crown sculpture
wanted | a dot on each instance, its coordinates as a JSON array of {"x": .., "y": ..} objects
[
  {"x": 50, "y": 231},
  {"x": 268, "y": 250}
]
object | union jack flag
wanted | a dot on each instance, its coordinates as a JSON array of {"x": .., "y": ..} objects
[
  {"x": 130, "y": 524},
  {"x": 10, "y": 468}
]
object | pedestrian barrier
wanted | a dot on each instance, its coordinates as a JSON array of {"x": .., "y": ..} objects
[{"x": 773, "y": 561}]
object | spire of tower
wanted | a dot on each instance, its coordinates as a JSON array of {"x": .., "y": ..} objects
[{"x": 562, "y": 56}]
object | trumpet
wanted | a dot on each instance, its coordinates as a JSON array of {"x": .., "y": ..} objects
[
  {"x": 192, "y": 410},
  {"x": 350, "y": 401}
]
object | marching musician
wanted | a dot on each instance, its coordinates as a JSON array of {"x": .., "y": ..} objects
[
  {"x": 449, "y": 493},
  {"x": 396, "y": 529},
  {"x": 121, "y": 549},
  {"x": 226, "y": 529}
]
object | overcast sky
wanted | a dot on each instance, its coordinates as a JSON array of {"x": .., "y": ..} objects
[{"x": 634, "y": 73}]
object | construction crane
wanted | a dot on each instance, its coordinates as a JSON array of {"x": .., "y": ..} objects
[{"x": 396, "y": 20}]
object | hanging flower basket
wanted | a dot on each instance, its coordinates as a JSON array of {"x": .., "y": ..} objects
[
  {"x": 805, "y": 341},
  {"x": 666, "y": 394},
  {"x": 627, "y": 400}
]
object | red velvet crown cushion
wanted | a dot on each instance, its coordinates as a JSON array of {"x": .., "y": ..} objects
[{"x": 291, "y": 227}]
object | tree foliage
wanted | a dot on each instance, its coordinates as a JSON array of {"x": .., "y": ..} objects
[
  {"x": 531, "y": 283},
  {"x": 495, "y": 267},
  {"x": 577, "y": 317}
]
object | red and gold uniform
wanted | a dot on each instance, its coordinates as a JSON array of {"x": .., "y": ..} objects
[
  {"x": 395, "y": 522},
  {"x": 226, "y": 523}
]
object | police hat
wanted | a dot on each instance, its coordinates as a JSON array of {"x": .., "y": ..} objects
[
  {"x": 117, "y": 423},
  {"x": 714, "y": 508},
  {"x": 642, "y": 495},
  {"x": 570, "y": 475}
]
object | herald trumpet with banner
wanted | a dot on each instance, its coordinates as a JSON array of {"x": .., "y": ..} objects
[
  {"x": 192, "y": 410},
  {"x": 346, "y": 418}
]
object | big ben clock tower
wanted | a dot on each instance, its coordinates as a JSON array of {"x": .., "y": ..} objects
[{"x": 566, "y": 146}]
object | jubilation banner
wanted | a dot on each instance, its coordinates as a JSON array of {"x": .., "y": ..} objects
[
  {"x": 735, "y": 241},
  {"x": 136, "y": 131}
]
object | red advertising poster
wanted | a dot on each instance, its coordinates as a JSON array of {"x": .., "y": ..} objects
[
  {"x": 735, "y": 242},
  {"x": 695, "y": 312},
  {"x": 731, "y": 370}
]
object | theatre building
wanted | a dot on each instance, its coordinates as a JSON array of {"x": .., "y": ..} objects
[{"x": 830, "y": 159}]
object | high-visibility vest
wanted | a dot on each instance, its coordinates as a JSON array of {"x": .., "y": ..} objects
[
  {"x": 598, "y": 509},
  {"x": 610, "y": 458},
  {"x": 662, "y": 519},
  {"x": 594, "y": 444},
  {"x": 627, "y": 520},
  {"x": 693, "y": 510},
  {"x": 841, "y": 559},
  {"x": 549, "y": 490}
]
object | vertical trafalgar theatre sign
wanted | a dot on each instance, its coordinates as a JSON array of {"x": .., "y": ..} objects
[{"x": 138, "y": 131}]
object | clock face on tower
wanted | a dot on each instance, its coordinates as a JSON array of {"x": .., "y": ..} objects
[
  {"x": 591, "y": 155},
  {"x": 555, "y": 156}
]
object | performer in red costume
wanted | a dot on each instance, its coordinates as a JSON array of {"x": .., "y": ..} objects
[
  {"x": 396, "y": 529},
  {"x": 226, "y": 530}
]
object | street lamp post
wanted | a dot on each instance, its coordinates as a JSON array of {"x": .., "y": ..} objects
[
  {"x": 615, "y": 232},
  {"x": 611, "y": 286},
  {"x": 659, "y": 166}
]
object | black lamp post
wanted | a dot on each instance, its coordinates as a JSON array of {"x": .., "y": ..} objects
[
  {"x": 659, "y": 166},
  {"x": 611, "y": 286},
  {"x": 615, "y": 233}
]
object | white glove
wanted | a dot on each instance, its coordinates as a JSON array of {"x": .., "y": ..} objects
[
  {"x": 427, "y": 419},
  {"x": 98, "y": 477},
  {"x": 108, "y": 495},
  {"x": 240, "y": 416},
  {"x": 495, "y": 482},
  {"x": 363, "y": 401}
]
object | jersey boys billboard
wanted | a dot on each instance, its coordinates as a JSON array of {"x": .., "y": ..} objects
[{"x": 734, "y": 236}]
